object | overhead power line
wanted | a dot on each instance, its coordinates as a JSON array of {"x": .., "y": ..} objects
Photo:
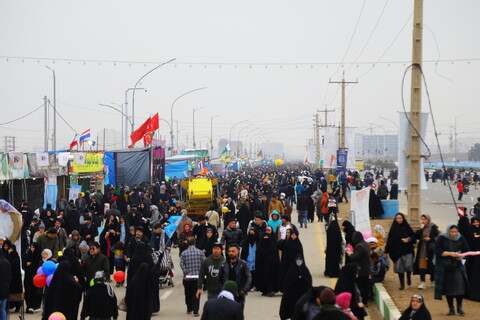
[{"x": 24, "y": 116}]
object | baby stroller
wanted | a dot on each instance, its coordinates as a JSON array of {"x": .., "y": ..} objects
[{"x": 166, "y": 272}]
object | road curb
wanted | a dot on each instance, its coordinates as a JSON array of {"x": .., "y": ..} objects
[{"x": 385, "y": 304}]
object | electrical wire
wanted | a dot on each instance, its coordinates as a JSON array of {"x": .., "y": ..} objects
[
  {"x": 406, "y": 114},
  {"x": 62, "y": 117},
  {"x": 438, "y": 54},
  {"x": 370, "y": 36},
  {"x": 351, "y": 38},
  {"x": 436, "y": 135},
  {"x": 24, "y": 116},
  {"x": 389, "y": 47}
]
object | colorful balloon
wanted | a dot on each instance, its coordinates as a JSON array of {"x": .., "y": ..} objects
[
  {"x": 119, "y": 276},
  {"x": 57, "y": 316},
  {"x": 40, "y": 280},
  {"x": 49, "y": 267},
  {"x": 39, "y": 270},
  {"x": 367, "y": 235},
  {"x": 49, "y": 279}
]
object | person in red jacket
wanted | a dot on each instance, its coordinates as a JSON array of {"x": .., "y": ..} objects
[{"x": 460, "y": 190}]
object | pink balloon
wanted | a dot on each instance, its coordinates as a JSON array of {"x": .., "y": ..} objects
[
  {"x": 49, "y": 279},
  {"x": 40, "y": 270},
  {"x": 56, "y": 316},
  {"x": 367, "y": 235}
]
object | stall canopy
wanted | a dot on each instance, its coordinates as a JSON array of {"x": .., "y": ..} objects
[
  {"x": 132, "y": 166},
  {"x": 177, "y": 169}
]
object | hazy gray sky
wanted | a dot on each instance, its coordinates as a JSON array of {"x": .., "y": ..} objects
[{"x": 267, "y": 61}]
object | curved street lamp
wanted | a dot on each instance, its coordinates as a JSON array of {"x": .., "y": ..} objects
[
  {"x": 135, "y": 87},
  {"x": 231, "y": 129},
  {"x": 171, "y": 111}
]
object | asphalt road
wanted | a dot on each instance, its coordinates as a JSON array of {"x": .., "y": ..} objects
[{"x": 438, "y": 203}]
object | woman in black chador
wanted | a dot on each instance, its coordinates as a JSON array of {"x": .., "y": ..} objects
[
  {"x": 333, "y": 257},
  {"x": 267, "y": 264}
]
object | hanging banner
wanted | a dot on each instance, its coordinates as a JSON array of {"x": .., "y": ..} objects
[
  {"x": 342, "y": 156},
  {"x": 4, "y": 167},
  {"x": 73, "y": 192},
  {"x": 42, "y": 159},
  {"x": 331, "y": 143},
  {"x": 88, "y": 162},
  {"x": 51, "y": 192},
  {"x": 52, "y": 169},
  {"x": 80, "y": 158},
  {"x": 404, "y": 150},
  {"x": 62, "y": 158},
  {"x": 16, "y": 160},
  {"x": 360, "y": 209},
  {"x": 109, "y": 168}
]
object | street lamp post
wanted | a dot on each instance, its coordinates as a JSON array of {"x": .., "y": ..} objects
[
  {"x": 136, "y": 84},
  {"x": 123, "y": 116},
  {"x": 194, "y": 110},
  {"x": 238, "y": 137},
  {"x": 54, "y": 142},
  {"x": 455, "y": 150},
  {"x": 211, "y": 133},
  {"x": 171, "y": 112},
  {"x": 127, "y": 119},
  {"x": 230, "y": 137}
]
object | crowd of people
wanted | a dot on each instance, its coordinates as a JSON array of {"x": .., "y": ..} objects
[{"x": 248, "y": 240}]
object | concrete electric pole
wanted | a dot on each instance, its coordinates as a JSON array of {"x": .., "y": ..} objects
[
  {"x": 415, "y": 117},
  {"x": 342, "y": 124},
  {"x": 317, "y": 142}
]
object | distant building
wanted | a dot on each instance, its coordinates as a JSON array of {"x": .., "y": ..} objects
[{"x": 380, "y": 146}]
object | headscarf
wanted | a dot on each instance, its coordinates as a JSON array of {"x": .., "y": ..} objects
[
  {"x": 349, "y": 230},
  {"x": 274, "y": 223},
  {"x": 189, "y": 233},
  {"x": 49, "y": 254},
  {"x": 379, "y": 229},
  {"x": 446, "y": 234},
  {"x": 428, "y": 228}
]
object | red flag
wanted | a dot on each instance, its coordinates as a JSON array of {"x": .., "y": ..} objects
[
  {"x": 147, "y": 139},
  {"x": 154, "y": 123},
  {"x": 74, "y": 142},
  {"x": 138, "y": 134}
]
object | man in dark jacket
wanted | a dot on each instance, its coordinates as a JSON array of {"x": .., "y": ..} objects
[
  {"x": 100, "y": 301},
  {"x": 302, "y": 208},
  {"x": 224, "y": 307},
  {"x": 89, "y": 230},
  {"x": 231, "y": 235},
  {"x": 95, "y": 261},
  {"x": 237, "y": 270},
  {"x": 5, "y": 278},
  {"x": 361, "y": 257},
  {"x": 209, "y": 270}
]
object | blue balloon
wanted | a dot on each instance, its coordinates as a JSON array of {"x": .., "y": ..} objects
[{"x": 49, "y": 267}]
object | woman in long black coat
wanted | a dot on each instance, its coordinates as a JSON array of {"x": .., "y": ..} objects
[
  {"x": 142, "y": 255},
  {"x": 347, "y": 282},
  {"x": 267, "y": 264},
  {"x": 64, "y": 294},
  {"x": 16, "y": 288},
  {"x": 400, "y": 248},
  {"x": 298, "y": 280},
  {"x": 139, "y": 298},
  {"x": 473, "y": 292},
  {"x": 33, "y": 295},
  {"x": 450, "y": 273},
  {"x": 244, "y": 216},
  {"x": 375, "y": 207},
  {"x": 423, "y": 264},
  {"x": 291, "y": 248},
  {"x": 333, "y": 256},
  {"x": 349, "y": 230}
]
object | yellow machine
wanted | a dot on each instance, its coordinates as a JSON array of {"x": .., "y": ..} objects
[
  {"x": 198, "y": 193},
  {"x": 359, "y": 164}
]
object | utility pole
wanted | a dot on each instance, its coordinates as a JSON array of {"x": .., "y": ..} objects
[
  {"x": 45, "y": 125},
  {"x": 177, "y": 136},
  {"x": 415, "y": 116},
  {"x": 54, "y": 141},
  {"x": 342, "y": 124},
  {"x": 317, "y": 142},
  {"x": 9, "y": 143},
  {"x": 326, "y": 111}
]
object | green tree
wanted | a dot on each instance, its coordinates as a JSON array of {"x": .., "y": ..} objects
[{"x": 474, "y": 152}]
